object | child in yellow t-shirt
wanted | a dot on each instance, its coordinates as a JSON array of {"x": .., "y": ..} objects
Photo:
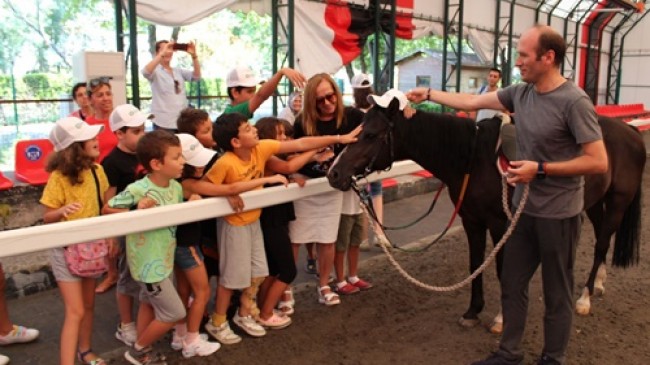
[
  {"x": 71, "y": 193},
  {"x": 242, "y": 259}
]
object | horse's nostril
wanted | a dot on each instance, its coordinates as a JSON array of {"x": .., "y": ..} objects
[{"x": 333, "y": 174}]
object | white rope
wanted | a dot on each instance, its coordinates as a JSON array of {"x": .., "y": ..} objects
[{"x": 513, "y": 221}]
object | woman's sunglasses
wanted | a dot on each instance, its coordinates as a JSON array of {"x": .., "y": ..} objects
[
  {"x": 104, "y": 80},
  {"x": 331, "y": 98}
]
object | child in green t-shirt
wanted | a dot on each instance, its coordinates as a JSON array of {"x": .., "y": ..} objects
[
  {"x": 244, "y": 96},
  {"x": 150, "y": 254}
]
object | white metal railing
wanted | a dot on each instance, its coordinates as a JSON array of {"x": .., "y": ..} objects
[{"x": 38, "y": 238}]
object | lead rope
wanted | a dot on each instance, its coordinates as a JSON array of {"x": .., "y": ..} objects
[{"x": 513, "y": 222}]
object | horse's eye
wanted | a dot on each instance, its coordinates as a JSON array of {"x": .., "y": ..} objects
[{"x": 369, "y": 136}]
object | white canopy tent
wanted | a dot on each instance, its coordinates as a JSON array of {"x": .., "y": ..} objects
[{"x": 315, "y": 40}]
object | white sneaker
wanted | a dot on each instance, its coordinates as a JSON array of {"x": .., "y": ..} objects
[
  {"x": 199, "y": 347},
  {"x": 4, "y": 360},
  {"x": 249, "y": 325},
  {"x": 126, "y": 333},
  {"x": 222, "y": 333},
  {"x": 275, "y": 322},
  {"x": 19, "y": 334},
  {"x": 177, "y": 341}
]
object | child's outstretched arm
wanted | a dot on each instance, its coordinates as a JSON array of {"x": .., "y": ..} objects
[
  {"x": 268, "y": 88},
  {"x": 207, "y": 188},
  {"x": 310, "y": 143}
]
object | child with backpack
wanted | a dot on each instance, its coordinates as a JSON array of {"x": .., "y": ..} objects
[{"x": 75, "y": 190}]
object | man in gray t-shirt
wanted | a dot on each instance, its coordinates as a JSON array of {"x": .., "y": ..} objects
[{"x": 559, "y": 140}]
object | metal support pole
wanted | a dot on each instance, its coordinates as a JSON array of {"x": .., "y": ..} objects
[
  {"x": 133, "y": 50},
  {"x": 507, "y": 72},
  {"x": 279, "y": 30},
  {"x": 459, "y": 45},
  {"x": 497, "y": 27},
  {"x": 445, "y": 35},
  {"x": 275, "y": 18},
  {"x": 376, "y": 45},
  {"x": 119, "y": 25}
]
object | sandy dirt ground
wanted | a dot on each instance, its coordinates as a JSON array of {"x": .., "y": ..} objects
[{"x": 398, "y": 323}]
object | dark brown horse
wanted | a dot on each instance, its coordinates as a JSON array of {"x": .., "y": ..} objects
[{"x": 449, "y": 146}]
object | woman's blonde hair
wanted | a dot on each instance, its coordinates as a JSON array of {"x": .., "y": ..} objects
[
  {"x": 310, "y": 105},
  {"x": 71, "y": 161}
]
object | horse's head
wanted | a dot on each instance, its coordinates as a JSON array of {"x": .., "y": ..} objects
[{"x": 374, "y": 149}]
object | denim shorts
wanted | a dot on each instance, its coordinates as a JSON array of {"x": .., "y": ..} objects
[
  {"x": 188, "y": 257},
  {"x": 375, "y": 188}
]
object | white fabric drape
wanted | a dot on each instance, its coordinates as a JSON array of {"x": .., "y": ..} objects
[{"x": 177, "y": 13}]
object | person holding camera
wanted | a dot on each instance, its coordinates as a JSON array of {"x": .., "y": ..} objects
[{"x": 168, "y": 83}]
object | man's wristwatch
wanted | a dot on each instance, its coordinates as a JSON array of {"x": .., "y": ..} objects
[{"x": 541, "y": 170}]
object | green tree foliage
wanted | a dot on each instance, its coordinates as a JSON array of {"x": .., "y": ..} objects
[{"x": 45, "y": 85}]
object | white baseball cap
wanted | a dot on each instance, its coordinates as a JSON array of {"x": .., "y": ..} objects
[
  {"x": 384, "y": 100},
  {"x": 242, "y": 76},
  {"x": 193, "y": 151},
  {"x": 361, "y": 81},
  {"x": 69, "y": 130},
  {"x": 127, "y": 115}
]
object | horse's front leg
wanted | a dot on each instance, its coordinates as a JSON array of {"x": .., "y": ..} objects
[{"x": 476, "y": 238}]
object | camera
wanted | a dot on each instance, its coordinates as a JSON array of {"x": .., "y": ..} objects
[{"x": 180, "y": 46}]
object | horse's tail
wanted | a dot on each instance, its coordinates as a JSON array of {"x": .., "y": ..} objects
[{"x": 626, "y": 247}]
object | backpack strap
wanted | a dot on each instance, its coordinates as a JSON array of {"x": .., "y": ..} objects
[{"x": 99, "y": 197}]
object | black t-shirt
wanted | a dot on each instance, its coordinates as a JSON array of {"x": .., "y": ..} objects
[
  {"x": 121, "y": 168},
  {"x": 202, "y": 232},
  {"x": 351, "y": 119}
]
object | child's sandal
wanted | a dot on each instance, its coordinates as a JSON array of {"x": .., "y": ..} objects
[
  {"x": 286, "y": 307},
  {"x": 82, "y": 357},
  {"x": 288, "y": 294},
  {"x": 330, "y": 298}
]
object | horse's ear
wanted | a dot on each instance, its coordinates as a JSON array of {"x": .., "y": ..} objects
[{"x": 393, "y": 107}]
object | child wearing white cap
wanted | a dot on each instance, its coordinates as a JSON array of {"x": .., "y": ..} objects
[
  {"x": 74, "y": 190},
  {"x": 189, "y": 268},
  {"x": 244, "y": 96},
  {"x": 122, "y": 168},
  {"x": 191, "y": 273}
]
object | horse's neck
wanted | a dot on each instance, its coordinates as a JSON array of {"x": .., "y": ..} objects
[{"x": 440, "y": 143}]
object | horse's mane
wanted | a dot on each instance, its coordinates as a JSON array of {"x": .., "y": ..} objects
[{"x": 442, "y": 134}]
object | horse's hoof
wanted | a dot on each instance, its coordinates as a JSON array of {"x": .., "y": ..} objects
[
  {"x": 583, "y": 304},
  {"x": 496, "y": 328},
  {"x": 583, "y": 307},
  {"x": 599, "y": 290},
  {"x": 468, "y": 323}
]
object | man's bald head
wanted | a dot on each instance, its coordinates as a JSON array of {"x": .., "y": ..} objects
[{"x": 549, "y": 40}]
